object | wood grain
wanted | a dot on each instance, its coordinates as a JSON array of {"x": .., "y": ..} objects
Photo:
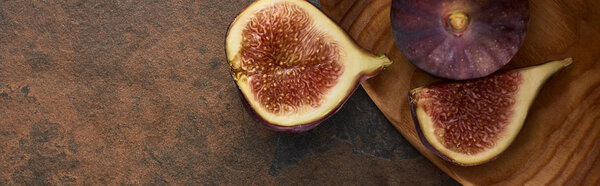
[{"x": 560, "y": 142}]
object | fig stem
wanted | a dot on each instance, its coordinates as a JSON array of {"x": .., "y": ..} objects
[
  {"x": 567, "y": 61},
  {"x": 458, "y": 21},
  {"x": 386, "y": 61}
]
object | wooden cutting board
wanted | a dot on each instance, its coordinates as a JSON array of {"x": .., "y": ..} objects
[{"x": 559, "y": 143}]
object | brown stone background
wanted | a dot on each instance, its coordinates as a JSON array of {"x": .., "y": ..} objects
[{"x": 139, "y": 92}]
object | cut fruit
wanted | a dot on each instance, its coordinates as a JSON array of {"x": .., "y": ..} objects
[
  {"x": 293, "y": 66},
  {"x": 459, "y": 39},
  {"x": 472, "y": 122}
]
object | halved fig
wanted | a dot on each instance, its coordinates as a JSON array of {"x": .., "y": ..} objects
[
  {"x": 459, "y": 39},
  {"x": 472, "y": 122},
  {"x": 293, "y": 66}
]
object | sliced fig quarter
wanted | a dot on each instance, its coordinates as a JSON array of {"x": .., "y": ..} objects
[
  {"x": 293, "y": 66},
  {"x": 472, "y": 122},
  {"x": 459, "y": 39}
]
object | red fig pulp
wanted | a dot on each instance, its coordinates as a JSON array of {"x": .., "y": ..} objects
[
  {"x": 294, "y": 67},
  {"x": 472, "y": 122}
]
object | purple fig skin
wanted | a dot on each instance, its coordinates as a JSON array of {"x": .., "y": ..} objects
[
  {"x": 306, "y": 126},
  {"x": 495, "y": 31},
  {"x": 413, "y": 111}
]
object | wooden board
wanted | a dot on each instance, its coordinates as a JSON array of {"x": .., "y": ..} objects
[{"x": 559, "y": 143}]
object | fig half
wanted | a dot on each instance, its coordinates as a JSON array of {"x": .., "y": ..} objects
[
  {"x": 472, "y": 122},
  {"x": 459, "y": 39},
  {"x": 293, "y": 66}
]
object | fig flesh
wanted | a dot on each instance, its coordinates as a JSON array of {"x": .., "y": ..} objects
[
  {"x": 293, "y": 66},
  {"x": 459, "y": 39},
  {"x": 472, "y": 122}
]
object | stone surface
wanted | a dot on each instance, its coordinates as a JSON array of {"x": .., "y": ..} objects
[{"x": 139, "y": 92}]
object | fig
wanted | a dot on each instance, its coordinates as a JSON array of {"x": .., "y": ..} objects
[
  {"x": 459, "y": 39},
  {"x": 293, "y": 66},
  {"x": 471, "y": 122}
]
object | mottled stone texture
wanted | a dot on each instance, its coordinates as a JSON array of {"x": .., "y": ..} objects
[{"x": 139, "y": 92}]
